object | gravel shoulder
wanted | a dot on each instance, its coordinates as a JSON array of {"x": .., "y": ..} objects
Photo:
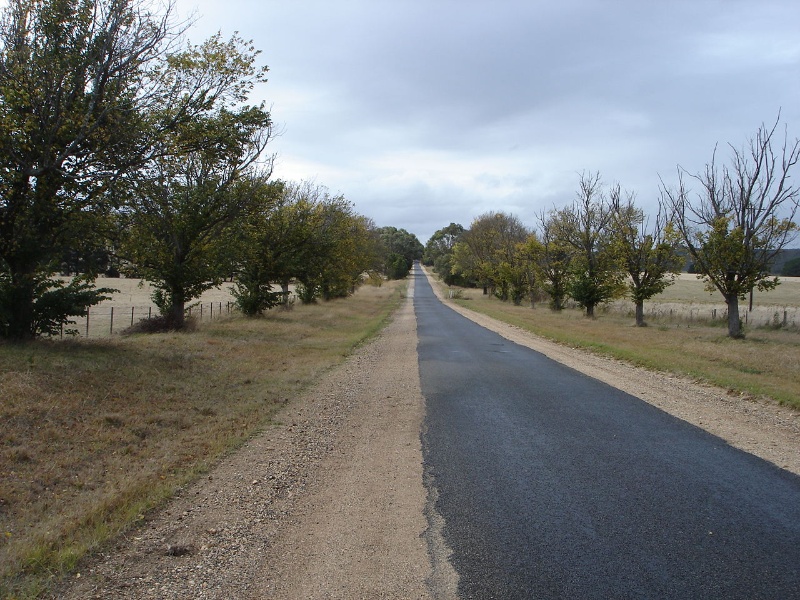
[{"x": 329, "y": 502}]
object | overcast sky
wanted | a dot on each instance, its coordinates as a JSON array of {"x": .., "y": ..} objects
[{"x": 426, "y": 112}]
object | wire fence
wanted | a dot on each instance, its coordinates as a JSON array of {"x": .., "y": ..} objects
[
  {"x": 776, "y": 317},
  {"x": 105, "y": 321}
]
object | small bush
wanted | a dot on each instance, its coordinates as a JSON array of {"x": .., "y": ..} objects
[{"x": 160, "y": 324}]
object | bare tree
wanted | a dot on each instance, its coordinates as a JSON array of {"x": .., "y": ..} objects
[{"x": 741, "y": 217}]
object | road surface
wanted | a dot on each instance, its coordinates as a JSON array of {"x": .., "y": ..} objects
[{"x": 551, "y": 484}]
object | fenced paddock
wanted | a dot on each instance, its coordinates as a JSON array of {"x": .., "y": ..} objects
[
  {"x": 683, "y": 313},
  {"x": 132, "y": 303},
  {"x": 686, "y": 301}
]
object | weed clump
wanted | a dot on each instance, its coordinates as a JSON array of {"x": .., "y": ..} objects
[{"x": 160, "y": 324}]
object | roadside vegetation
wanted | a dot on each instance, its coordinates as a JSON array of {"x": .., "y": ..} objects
[
  {"x": 731, "y": 228},
  {"x": 126, "y": 148},
  {"x": 97, "y": 432}
]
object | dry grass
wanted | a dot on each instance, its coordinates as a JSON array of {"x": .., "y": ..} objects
[
  {"x": 95, "y": 433},
  {"x": 765, "y": 364}
]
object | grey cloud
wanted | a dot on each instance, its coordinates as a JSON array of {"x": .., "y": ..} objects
[{"x": 448, "y": 107}]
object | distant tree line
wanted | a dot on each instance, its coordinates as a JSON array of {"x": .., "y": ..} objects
[
  {"x": 602, "y": 247},
  {"x": 126, "y": 149}
]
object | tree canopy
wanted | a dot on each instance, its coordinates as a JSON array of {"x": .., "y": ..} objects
[
  {"x": 76, "y": 77},
  {"x": 206, "y": 176}
]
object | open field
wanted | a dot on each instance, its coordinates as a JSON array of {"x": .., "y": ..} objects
[
  {"x": 94, "y": 433},
  {"x": 686, "y": 341},
  {"x": 687, "y": 299},
  {"x": 132, "y": 302}
]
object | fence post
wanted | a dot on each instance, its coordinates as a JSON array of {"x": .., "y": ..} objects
[
  {"x": 87, "y": 321},
  {"x": 111, "y": 327},
  {"x": 211, "y": 315},
  {"x": 132, "y": 308}
]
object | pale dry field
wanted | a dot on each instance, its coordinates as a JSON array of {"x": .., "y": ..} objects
[
  {"x": 133, "y": 302},
  {"x": 687, "y": 299}
]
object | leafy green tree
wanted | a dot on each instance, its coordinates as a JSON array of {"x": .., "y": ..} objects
[
  {"x": 281, "y": 243},
  {"x": 441, "y": 242},
  {"x": 75, "y": 77},
  {"x": 262, "y": 244},
  {"x": 553, "y": 261},
  {"x": 343, "y": 247},
  {"x": 354, "y": 250},
  {"x": 400, "y": 250},
  {"x": 439, "y": 254},
  {"x": 182, "y": 204},
  {"x": 465, "y": 264},
  {"x": 529, "y": 253},
  {"x": 649, "y": 255},
  {"x": 305, "y": 235},
  {"x": 586, "y": 227},
  {"x": 740, "y": 219},
  {"x": 492, "y": 239}
]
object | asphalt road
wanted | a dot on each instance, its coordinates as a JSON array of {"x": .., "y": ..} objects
[{"x": 555, "y": 485}]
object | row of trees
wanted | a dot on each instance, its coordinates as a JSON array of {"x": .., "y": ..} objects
[
  {"x": 119, "y": 138},
  {"x": 603, "y": 246},
  {"x": 303, "y": 234},
  {"x": 592, "y": 251}
]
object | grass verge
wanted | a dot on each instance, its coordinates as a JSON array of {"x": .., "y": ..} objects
[
  {"x": 93, "y": 434},
  {"x": 765, "y": 364}
]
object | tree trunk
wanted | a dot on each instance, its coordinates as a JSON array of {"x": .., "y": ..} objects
[
  {"x": 285, "y": 292},
  {"x": 734, "y": 323},
  {"x": 20, "y": 309},
  {"x": 177, "y": 314},
  {"x": 590, "y": 311},
  {"x": 640, "y": 313}
]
